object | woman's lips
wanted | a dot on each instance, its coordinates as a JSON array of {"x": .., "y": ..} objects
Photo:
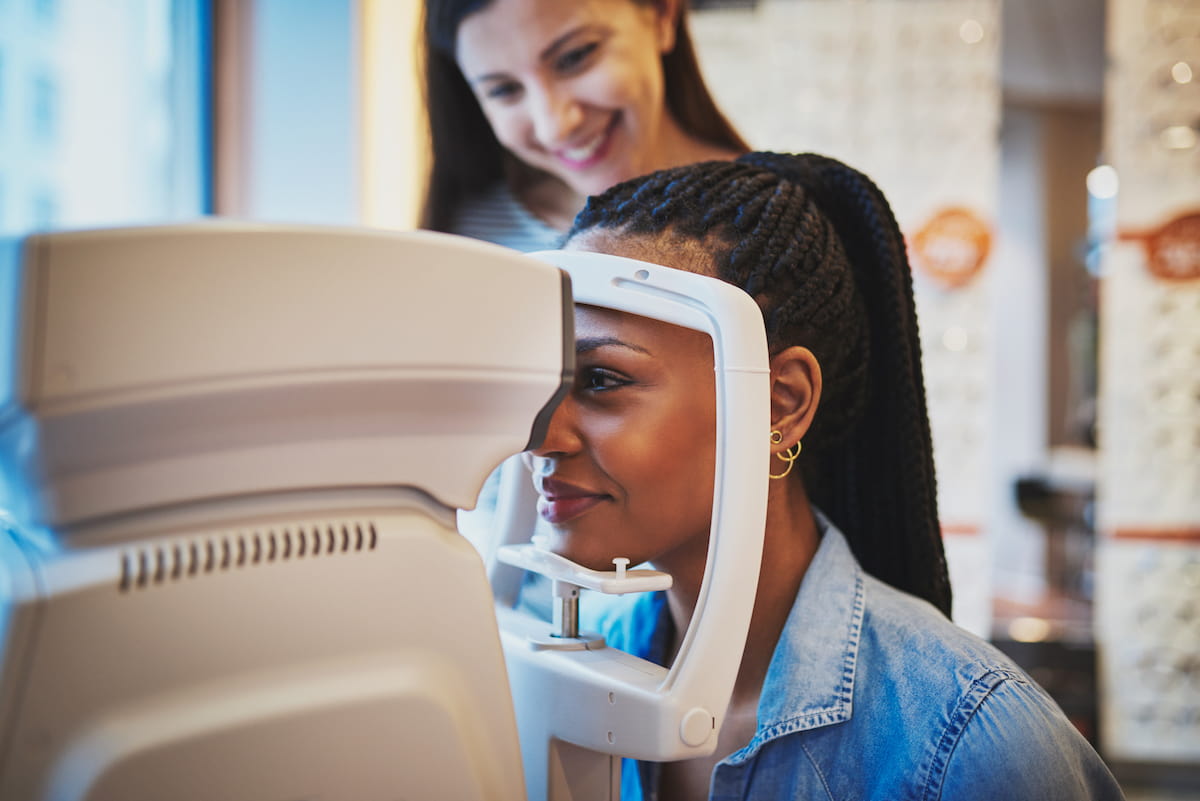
[
  {"x": 560, "y": 502},
  {"x": 591, "y": 152},
  {"x": 561, "y": 510}
]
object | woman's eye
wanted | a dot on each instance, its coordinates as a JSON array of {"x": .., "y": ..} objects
[
  {"x": 503, "y": 91},
  {"x": 576, "y": 57},
  {"x": 600, "y": 380}
]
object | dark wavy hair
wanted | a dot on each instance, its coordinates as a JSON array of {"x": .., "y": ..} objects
[
  {"x": 816, "y": 244},
  {"x": 467, "y": 158}
]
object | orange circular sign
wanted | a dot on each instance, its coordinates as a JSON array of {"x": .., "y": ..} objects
[
  {"x": 1173, "y": 251},
  {"x": 952, "y": 246}
]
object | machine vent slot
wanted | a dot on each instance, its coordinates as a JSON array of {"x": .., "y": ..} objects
[{"x": 187, "y": 558}]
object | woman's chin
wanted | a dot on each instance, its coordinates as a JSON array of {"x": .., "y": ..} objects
[
  {"x": 597, "y": 182},
  {"x": 581, "y": 556},
  {"x": 584, "y": 560}
]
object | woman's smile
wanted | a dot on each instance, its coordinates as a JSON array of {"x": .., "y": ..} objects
[
  {"x": 592, "y": 151},
  {"x": 560, "y": 502}
]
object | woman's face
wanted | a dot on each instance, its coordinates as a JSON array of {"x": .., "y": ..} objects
[
  {"x": 627, "y": 465},
  {"x": 572, "y": 87}
]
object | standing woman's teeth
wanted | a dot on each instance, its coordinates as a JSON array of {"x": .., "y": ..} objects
[{"x": 587, "y": 150}]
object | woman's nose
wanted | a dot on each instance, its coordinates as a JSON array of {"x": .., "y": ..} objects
[
  {"x": 556, "y": 115},
  {"x": 562, "y": 434}
]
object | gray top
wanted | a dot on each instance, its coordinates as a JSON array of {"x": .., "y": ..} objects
[{"x": 497, "y": 216}]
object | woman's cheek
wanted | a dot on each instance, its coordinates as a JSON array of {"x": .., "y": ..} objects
[{"x": 505, "y": 125}]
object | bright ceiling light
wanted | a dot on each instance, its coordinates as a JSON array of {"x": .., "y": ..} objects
[{"x": 1102, "y": 182}]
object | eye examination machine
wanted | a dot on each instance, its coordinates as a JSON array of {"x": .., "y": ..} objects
[{"x": 232, "y": 459}]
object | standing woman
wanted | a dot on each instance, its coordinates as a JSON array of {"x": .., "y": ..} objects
[{"x": 536, "y": 104}]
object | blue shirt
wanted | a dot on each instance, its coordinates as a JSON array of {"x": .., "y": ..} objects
[{"x": 873, "y": 694}]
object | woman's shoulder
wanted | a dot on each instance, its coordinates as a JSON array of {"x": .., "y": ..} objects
[
  {"x": 910, "y": 628},
  {"x": 1011, "y": 741},
  {"x": 988, "y": 729},
  {"x": 922, "y": 667},
  {"x": 496, "y": 215}
]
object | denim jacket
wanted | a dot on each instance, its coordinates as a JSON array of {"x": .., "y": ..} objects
[{"x": 873, "y": 694}]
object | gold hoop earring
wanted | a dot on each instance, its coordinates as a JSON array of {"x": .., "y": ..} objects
[{"x": 788, "y": 455}]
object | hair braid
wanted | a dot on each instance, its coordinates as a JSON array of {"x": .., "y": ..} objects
[
  {"x": 816, "y": 244},
  {"x": 896, "y": 421}
]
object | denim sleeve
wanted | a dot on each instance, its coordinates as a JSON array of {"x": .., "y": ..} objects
[{"x": 1017, "y": 745}]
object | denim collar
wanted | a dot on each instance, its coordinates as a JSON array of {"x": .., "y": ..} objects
[{"x": 810, "y": 681}]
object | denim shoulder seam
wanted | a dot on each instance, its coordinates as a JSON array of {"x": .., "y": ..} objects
[{"x": 968, "y": 705}]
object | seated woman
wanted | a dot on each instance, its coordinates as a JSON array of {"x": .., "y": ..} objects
[{"x": 854, "y": 684}]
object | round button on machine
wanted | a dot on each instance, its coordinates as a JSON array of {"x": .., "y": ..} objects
[{"x": 697, "y": 726}]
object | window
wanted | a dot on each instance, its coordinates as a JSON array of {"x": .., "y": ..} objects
[
  {"x": 43, "y": 117},
  {"x": 44, "y": 209},
  {"x": 104, "y": 111},
  {"x": 45, "y": 11}
]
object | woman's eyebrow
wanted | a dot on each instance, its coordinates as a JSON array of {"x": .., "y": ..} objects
[
  {"x": 589, "y": 344},
  {"x": 547, "y": 54},
  {"x": 551, "y": 50}
]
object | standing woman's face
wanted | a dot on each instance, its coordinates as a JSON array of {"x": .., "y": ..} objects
[
  {"x": 572, "y": 87},
  {"x": 627, "y": 465}
]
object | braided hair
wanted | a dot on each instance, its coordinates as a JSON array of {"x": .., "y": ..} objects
[{"x": 815, "y": 243}]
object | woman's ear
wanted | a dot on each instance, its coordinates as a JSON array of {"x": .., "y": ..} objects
[
  {"x": 667, "y": 20},
  {"x": 795, "y": 394}
]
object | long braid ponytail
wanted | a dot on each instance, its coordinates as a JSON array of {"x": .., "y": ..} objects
[{"x": 816, "y": 244}]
